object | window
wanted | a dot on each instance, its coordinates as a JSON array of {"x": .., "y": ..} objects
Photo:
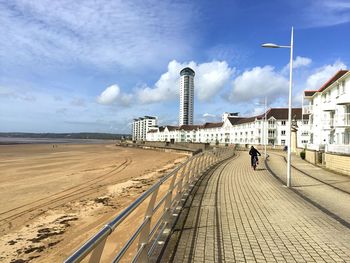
[
  {"x": 283, "y": 142},
  {"x": 283, "y": 132},
  {"x": 305, "y": 122},
  {"x": 338, "y": 90},
  {"x": 283, "y": 123},
  {"x": 342, "y": 87}
]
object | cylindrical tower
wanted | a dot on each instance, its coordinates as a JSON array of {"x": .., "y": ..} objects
[{"x": 186, "y": 96}]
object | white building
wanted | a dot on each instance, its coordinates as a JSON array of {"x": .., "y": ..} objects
[
  {"x": 238, "y": 130},
  {"x": 329, "y": 111},
  {"x": 186, "y": 96},
  {"x": 141, "y": 126}
]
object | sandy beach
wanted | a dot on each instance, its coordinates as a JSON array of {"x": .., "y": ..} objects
[{"x": 52, "y": 198}]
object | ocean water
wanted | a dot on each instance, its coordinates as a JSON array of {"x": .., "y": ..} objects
[{"x": 9, "y": 141}]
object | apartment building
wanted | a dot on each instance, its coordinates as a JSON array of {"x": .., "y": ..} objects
[
  {"x": 235, "y": 129},
  {"x": 141, "y": 126},
  {"x": 186, "y": 96},
  {"x": 328, "y": 109}
]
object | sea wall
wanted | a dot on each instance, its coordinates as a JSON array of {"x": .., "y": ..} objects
[{"x": 338, "y": 163}]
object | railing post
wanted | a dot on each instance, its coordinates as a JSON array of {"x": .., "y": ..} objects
[
  {"x": 143, "y": 241},
  {"x": 202, "y": 163},
  {"x": 168, "y": 200},
  {"x": 179, "y": 186},
  {"x": 97, "y": 252},
  {"x": 193, "y": 171}
]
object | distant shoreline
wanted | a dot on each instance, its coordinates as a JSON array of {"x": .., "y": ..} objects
[{"x": 17, "y": 141}]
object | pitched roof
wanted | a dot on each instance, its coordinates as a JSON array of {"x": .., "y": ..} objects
[
  {"x": 282, "y": 113},
  {"x": 309, "y": 93},
  {"x": 189, "y": 127},
  {"x": 235, "y": 120},
  {"x": 208, "y": 125},
  {"x": 171, "y": 128},
  {"x": 337, "y": 75},
  {"x": 277, "y": 113}
]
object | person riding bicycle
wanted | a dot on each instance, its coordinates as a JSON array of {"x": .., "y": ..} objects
[{"x": 254, "y": 154}]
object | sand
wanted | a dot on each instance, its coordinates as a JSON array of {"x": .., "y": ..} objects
[{"x": 52, "y": 199}]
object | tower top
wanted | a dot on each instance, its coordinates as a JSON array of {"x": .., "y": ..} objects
[{"x": 187, "y": 71}]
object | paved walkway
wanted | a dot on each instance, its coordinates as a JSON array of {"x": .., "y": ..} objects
[
  {"x": 330, "y": 191},
  {"x": 241, "y": 215}
]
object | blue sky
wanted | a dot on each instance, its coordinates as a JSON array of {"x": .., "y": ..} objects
[{"x": 75, "y": 66}]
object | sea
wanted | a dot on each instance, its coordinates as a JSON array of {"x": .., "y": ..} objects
[{"x": 11, "y": 141}]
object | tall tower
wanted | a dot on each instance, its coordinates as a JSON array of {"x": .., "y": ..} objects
[{"x": 186, "y": 96}]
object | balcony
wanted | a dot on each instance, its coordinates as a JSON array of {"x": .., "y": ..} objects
[
  {"x": 307, "y": 109},
  {"x": 344, "y": 149},
  {"x": 343, "y": 120},
  {"x": 328, "y": 106},
  {"x": 344, "y": 99},
  {"x": 271, "y": 136},
  {"x": 328, "y": 124}
]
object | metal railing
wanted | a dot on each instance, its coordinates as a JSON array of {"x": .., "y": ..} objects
[
  {"x": 328, "y": 124},
  {"x": 307, "y": 109},
  {"x": 159, "y": 204},
  {"x": 343, "y": 120}
]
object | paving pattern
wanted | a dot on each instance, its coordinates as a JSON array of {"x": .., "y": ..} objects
[{"x": 242, "y": 215}]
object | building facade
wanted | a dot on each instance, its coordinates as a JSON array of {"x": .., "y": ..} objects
[
  {"x": 141, "y": 126},
  {"x": 186, "y": 96},
  {"x": 235, "y": 129},
  {"x": 328, "y": 109}
]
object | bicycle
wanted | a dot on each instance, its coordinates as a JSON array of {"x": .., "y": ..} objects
[{"x": 255, "y": 161}]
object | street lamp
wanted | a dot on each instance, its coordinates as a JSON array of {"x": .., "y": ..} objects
[
  {"x": 271, "y": 45},
  {"x": 264, "y": 128}
]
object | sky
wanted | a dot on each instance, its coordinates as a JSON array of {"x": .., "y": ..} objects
[{"x": 94, "y": 65}]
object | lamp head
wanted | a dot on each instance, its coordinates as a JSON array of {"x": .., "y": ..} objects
[{"x": 270, "y": 45}]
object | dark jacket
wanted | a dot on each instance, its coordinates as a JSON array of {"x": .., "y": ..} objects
[{"x": 254, "y": 152}]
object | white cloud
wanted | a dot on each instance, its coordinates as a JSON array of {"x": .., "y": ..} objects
[
  {"x": 301, "y": 62},
  {"x": 102, "y": 33},
  {"x": 325, "y": 12},
  {"x": 258, "y": 83},
  {"x": 208, "y": 115},
  {"x": 210, "y": 78},
  {"x": 298, "y": 62},
  {"x": 113, "y": 94},
  {"x": 109, "y": 95},
  {"x": 321, "y": 75}
]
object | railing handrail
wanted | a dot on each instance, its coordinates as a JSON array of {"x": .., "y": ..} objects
[{"x": 96, "y": 243}]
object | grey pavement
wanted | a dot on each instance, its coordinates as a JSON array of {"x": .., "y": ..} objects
[
  {"x": 237, "y": 214},
  {"x": 328, "y": 190}
]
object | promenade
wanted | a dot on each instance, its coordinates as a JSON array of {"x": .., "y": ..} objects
[{"x": 236, "y": 214}]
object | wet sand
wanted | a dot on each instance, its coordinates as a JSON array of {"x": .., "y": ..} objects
[{"x": 53, "y": 198}]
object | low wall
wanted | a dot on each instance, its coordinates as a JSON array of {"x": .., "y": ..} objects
[
  {"x": 338, "y": 163},
  {"x": 310, "y": 155},
  {"x": 188, "y": 147}
]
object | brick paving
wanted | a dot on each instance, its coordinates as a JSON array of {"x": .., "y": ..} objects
[
  {"x": 310, "y": 181},
  {"x": 241, "y": 215}
]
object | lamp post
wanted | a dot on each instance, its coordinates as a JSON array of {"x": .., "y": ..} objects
[
  {"x": 271, "y": 45},
  {"x": 265, "y": 128}
]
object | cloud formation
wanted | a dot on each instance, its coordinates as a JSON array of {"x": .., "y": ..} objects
[
  {"x": 210, "y": 78},
  {"x": 258, "y": 83},
  {"x": 326, "y": 12},
  {"x": 113, "y": 94},
  {"x": 100, "y": 33},
  {"x": 322, "y": 74},
  {"x": 298, "y": 62}
]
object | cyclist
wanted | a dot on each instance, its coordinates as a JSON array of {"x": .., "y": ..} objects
[{"x": 254, "y": 154}]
